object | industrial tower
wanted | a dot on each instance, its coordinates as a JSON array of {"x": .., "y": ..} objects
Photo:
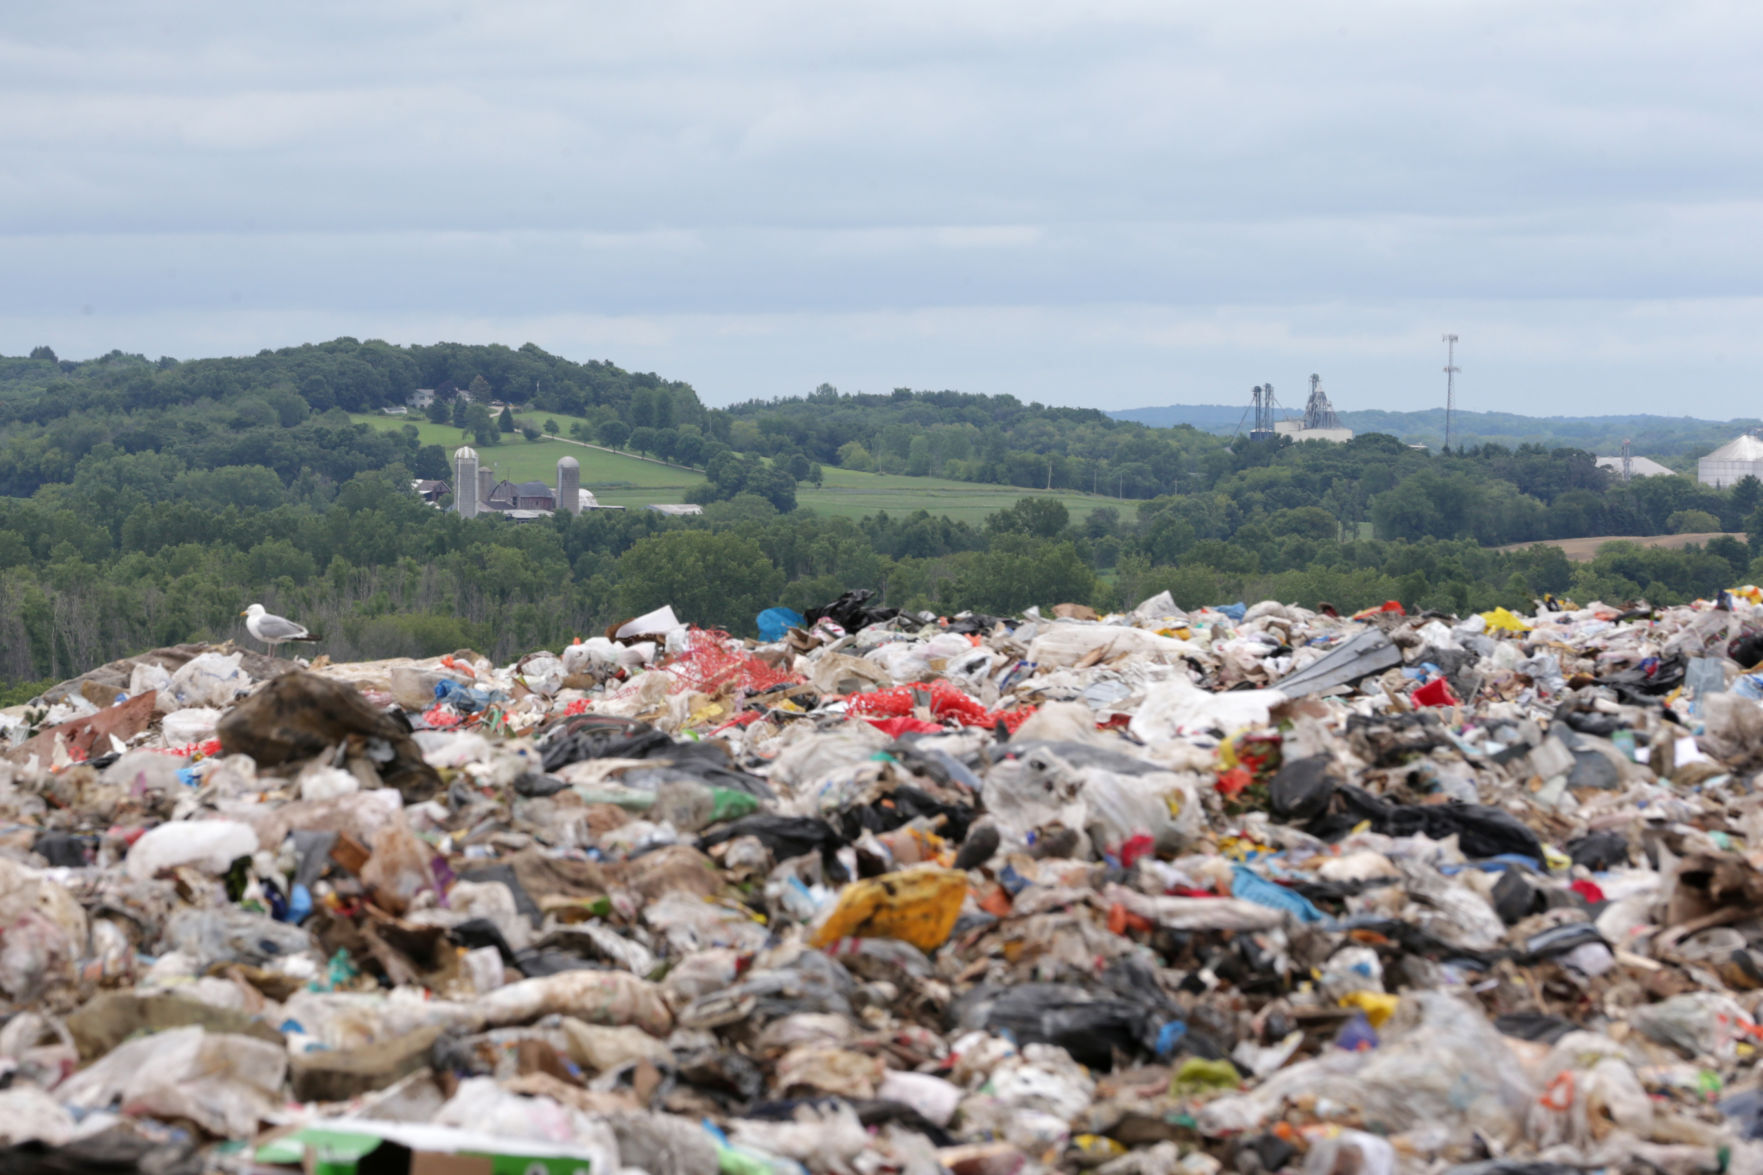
[{"x": 1451, "y": 370}]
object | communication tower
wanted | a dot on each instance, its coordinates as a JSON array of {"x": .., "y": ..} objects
[{"x": 1451, "y": 370}]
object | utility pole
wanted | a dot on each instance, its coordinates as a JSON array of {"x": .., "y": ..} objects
[
  {"x": 1451, "y": 370},
  {"x": 1627, "y": 460}
]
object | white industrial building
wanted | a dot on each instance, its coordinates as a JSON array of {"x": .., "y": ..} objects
[
  {"x": 1738, "y": 458},
  {"x": 1637, "y": 467},
  {"x": 1319, "y": 422}
]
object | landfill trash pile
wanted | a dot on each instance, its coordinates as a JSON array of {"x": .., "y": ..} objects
[{"x": 1247, "y": 889}]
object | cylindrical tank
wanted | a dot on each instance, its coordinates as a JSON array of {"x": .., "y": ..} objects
[
  {"x": 465, "y": 482},
  {"x": 486, "y": 481},
  {"x": 569, "y": 485}
]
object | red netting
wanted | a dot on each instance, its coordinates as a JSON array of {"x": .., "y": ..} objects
[
  {"x": 946, "y": 703},
  {"x": 712, "y": 662}
]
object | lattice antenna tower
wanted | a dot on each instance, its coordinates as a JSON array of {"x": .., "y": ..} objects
[{"x": 1451, "y": 370}]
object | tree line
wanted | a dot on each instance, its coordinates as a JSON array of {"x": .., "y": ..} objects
[{"x": 145, "y": 502}]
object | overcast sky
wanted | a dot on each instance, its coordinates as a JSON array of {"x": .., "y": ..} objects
[{"x": 1105, "y": 203}]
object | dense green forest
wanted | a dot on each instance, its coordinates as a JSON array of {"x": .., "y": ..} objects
[{"x": 146, "y": 502}]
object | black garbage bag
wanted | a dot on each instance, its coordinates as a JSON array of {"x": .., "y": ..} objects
[
  {"x": 1516, "y": 897},
  {"x": 851, "y": 611},
  {"x": 1598, "y": 851},
  {"x": 1481, "y": 831},
  {"x": 1648, "y": 680},
  {"x": 65, "y": 850},
  {"x": 1391, "y": 740},
  {"x": 1091, "y": 1027},
  {"x": 786, "y": 837},
  {"x": 1537, "y": 1026},
  {"x": 978, "y": 848},
  {"x": 901, "y": 806},
  {"x": 1302, "y": 788},
  {"x": 706, "y": 761},
  {"x": 969, "y": 623},
  {"x": 1747, "y": 650}
]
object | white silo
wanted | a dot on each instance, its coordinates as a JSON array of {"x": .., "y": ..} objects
[
  {"x": 1737, "y": 459},
  {"x": 465, "y": 481},
  {"x": 569, "y": 485}
]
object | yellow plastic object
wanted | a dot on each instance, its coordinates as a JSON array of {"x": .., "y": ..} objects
[
  {"x": 1505, "y": 620},
  {"x": 1376, "y": 1005},
  {"x": 918, "y": 906},
  {"x": 1096, "y": 1147},
  {"x": 1198, "y": 1076},
  {"x": 1556, "y": 860}
]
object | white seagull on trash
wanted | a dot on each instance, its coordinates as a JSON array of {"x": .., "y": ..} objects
[{"x": 271, "y": 629}]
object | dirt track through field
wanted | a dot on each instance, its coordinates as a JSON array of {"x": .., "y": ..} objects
[{"x": 1582, "y": 550}]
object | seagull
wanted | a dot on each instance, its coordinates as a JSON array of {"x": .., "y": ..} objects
[{"x": 271, "y": 629}]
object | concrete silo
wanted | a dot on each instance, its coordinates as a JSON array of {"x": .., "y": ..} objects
[
  {"x": 569, "y": 485},
  {"x": 465, "y": 485}
]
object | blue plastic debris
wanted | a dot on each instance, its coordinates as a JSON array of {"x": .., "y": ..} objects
[
  {"x": 1250, "y": 886},
  {"x": 465, "y": 699},
  {"x": 774, "y": 622}
]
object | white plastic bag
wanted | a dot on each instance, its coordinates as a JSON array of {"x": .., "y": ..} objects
[
  {"x": 211, "y": 679},
  {"x": 1179, "y": 707},
  {"x": 147, "y": 676},
  {"x": 225, "y": 1083},
  {"x": 192, "y": 725},
  {"x": 482, "y": 1106},
  {"x": 209, "y": 845},
  {"x": 1068, "y": 644}
]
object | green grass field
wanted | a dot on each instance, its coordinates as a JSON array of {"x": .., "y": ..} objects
[
  {"x": 519, "y": 459},
  {"x": 620, "y": 480},
  {"x": 853, "y": 495}
]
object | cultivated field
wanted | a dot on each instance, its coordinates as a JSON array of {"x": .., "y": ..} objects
[
  {"x": 621, "y": 479},
  {"x": 1582, "y": 550}
]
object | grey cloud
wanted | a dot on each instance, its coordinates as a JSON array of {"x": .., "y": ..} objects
[{"x": 880, "y": 179}]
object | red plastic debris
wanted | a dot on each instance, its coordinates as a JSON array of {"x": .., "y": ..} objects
[
  {"x": 945, "y": 702},
  {"x": 1231, "y": 783},
  {"x": 745, "y": 718},
  {"x": 202, "y": 750},
  {"x": 1386, "y": 606},
  {"x": 904, "y": 724},
  {"x": 1135, "y": 847},
  {"x": 1588, "y": 890},
  {"x": 1436, "y": 692}
]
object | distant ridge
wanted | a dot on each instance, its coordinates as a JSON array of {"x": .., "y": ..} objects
[
  {"x": 1205, "y": 417},
  {"x": 1653, "y": 436}
]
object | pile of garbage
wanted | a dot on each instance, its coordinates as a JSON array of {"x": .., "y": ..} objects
[{"x": 1247, "y": 889}]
